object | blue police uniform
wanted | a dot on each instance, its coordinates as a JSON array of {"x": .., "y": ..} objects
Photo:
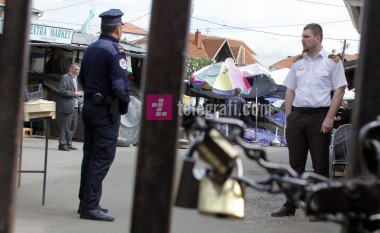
[{"x": 103, "y": 75}]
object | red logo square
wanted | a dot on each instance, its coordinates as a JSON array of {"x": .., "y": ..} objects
[{"x": 159, "y": 107}]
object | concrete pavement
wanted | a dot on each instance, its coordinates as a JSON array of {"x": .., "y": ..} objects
[{"x": 58, "y": 215}]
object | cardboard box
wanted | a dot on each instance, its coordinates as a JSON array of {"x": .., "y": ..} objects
[
  {"x": 39, "y": 108},
  {"x": 27, "y": 132}
]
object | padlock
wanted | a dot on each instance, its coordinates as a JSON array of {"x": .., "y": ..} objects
[
  {"x": 221, "y": 200},
  {"x": 188, "y": 186},
  {"x": 217, "y": 150}
]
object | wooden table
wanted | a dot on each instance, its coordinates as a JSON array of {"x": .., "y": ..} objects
[{"x": 39, "y": 110}]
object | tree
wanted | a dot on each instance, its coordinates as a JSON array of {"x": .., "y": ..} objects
[{"x": 194, "y": 64}]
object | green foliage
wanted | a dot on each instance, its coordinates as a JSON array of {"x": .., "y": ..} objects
[{"x": 194, "y": 64}]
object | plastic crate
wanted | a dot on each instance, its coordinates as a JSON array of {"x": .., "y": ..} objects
[{"x": 33, "y": 92}]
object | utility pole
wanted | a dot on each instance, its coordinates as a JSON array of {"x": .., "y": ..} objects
[{"x": 344, "y": 49}]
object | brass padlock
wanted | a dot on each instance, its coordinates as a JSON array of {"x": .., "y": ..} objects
[
  {"x": 218, "y": 152},
  {"x": 221, "y": 200}
]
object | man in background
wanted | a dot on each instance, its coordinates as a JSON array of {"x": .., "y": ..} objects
[
  {"x": 68, "y": 108},
  {"x": 234, "y": 108},
  {"x": 344, "y": 116}
]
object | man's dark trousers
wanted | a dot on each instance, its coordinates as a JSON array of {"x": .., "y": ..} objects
[{"x": 303, "y": 133}]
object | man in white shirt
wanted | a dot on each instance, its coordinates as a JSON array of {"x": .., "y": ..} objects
[{"x": 310, "y": 106}]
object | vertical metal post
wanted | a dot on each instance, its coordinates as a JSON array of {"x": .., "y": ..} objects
[
  {"x": 19, "y": 163},
  {"x": 44, "y": 69},
  {"x": 77, "y": 58},
  {"x": 367, "y": 82},
  {"x": 257, "y": 111},
  {"x": 47, "y": 133},
  {"x": 344, "y": 49},
  {"x": 13, "y": 63},
  {"x": 152, "y": 202}
]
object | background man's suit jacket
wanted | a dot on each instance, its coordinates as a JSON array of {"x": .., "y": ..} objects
[{"x": 66, "y": 100}]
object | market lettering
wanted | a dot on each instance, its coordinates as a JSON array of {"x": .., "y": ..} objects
[
  {"x": 49, "y": 39},
  {"x": 50, "y": 34},
  {"x": 60, "y": 33},
  {"x": 37, "y": 30}
]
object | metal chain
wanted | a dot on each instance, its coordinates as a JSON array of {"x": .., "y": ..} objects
[{"x": 354, "y": 203}]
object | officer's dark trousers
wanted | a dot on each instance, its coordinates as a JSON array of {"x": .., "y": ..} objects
[
  {"x": 303, "y": 133},
  {"x": 99, "y": 147}
]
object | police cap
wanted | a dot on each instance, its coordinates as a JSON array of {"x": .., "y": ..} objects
[{"x": 112, "y": 16}]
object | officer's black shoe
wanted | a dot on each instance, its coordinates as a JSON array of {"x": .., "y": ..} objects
[
  {"x": 72, "y": 147},
  {"x": 102, "y": 209},
  {"x": 96, "y": 215},
  {"x": 63, "y": 147}
]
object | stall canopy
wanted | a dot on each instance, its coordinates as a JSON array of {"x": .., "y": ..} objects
[
  {"x": 221, "y": 78},
  {"x": 260, "y": 81}
]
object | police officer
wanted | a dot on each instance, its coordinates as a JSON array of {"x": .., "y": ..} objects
[{"x": 103, "y": 78}]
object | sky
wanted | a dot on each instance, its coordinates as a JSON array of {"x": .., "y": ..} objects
[{"x": 271, "y": 28}]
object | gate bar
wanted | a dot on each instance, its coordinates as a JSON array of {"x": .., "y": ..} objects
[
  {"x": 14, "y": 50},
  {"x": 367, "y": 82},
  {"x": 164, "y": 74}
]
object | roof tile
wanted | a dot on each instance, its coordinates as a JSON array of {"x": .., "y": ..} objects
[{"x": 131, "y": 28}]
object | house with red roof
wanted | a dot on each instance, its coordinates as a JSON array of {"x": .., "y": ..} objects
[
  {"x": 216, "y": 48},
  {"x": 219, "y": 48},
  {"x": 132, "y": 33},
  {"x": 288, "y": 62}
]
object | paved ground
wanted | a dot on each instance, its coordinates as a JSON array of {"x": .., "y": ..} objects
[{"x": 58, "y": 215}]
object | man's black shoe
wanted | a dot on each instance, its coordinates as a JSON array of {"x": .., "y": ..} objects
[
  {"x": 72, "y": 147},
  {"x": 284, "y": 211},
  {"x": 96, "y": 215},
  {"x": 63, "y": 147},
  {"x": 102, "y": 209}
]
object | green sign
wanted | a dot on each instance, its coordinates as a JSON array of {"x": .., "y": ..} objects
[{"x": 50, "y": 34}]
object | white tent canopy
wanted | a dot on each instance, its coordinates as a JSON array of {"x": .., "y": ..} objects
[
  {"x": 254, "y": 70},
  {"x": 349, "y": 94},
  {"x": 280, "y": 75}
]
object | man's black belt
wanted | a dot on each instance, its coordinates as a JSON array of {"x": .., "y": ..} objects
[{"x": 306, "y": 110}]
